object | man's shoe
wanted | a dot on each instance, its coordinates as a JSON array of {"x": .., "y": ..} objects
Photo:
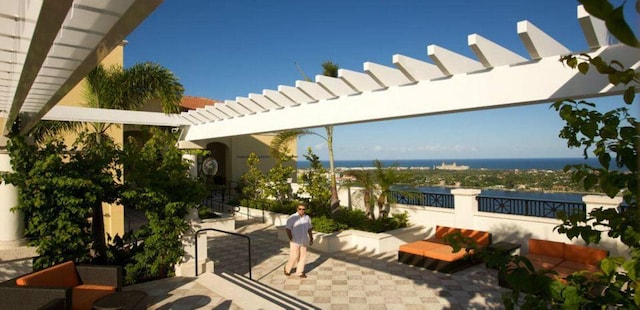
[
  {"x": 302, "y": 275},
  {"x": 285, "y": 271}
]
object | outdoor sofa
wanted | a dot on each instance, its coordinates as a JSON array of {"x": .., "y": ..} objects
[
  {"x": 62, "y": 286},
  {"x": 564, "y": 258},
  {"x": 436, "y": 254}
]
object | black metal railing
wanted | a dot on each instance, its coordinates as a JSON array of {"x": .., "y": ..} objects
[
  {"x": 219, "y": 195},
  {"x": 226, "y": 232},
  {"x": 438, "y": 200},
  {"x": 528, "y": 207}
]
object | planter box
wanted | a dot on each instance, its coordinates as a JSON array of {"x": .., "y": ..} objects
[
  {"x": 349, "y": 240},
  {"x": 344, "y": 240}
]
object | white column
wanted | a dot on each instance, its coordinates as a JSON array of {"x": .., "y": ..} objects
[
  {"x": 466, "y": 206},
  {"x": 11, "y": 222},
  {"x": 193, "y": 168},
  {"x": 615, "y": 246},
  {"x": 186, "y": 266},
  {"x": 193, "y": 173}
]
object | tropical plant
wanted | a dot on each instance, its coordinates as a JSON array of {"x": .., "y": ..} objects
[
  {"x": 120, "y": 88},
  {"x": 157, "y": 183},
  {"x": 279, "y": 179},
  {"x": 613, "y": 135},
  {"x": 314, "y": 183},
  {"x": 253, "y": 179},
  {"x": 378, "y": 186},
  {"x": 387, "y": 178},
  {"x": 365, "y": 179},
  {"x": 116, "y": 88},
  {"x": 283, "y": 138},
  {"x": 60, "y": 188}
]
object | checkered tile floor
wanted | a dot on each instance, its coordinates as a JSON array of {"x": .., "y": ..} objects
[{"x": 354, "y": 280}]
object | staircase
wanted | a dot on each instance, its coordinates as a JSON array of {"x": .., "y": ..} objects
[{"x": 250, "y": 294}]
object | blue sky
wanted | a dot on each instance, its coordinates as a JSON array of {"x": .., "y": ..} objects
[{"x": 225, "y": 49}]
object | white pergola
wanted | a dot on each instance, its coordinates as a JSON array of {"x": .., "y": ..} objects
[{"x": 50, "y": 45}]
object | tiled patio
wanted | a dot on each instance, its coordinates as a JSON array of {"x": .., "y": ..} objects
[{"x": 353, "y": 280}]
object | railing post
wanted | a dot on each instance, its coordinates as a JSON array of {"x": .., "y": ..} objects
[
  {"x": 229, "y": 233},
  {"x": 465, "y": 206},
  {"x": 596, "y": 201}
]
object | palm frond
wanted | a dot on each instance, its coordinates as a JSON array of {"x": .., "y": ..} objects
[
  {"x": 44, "y": 130},
  {"x": 283, "y": 138},
  {"x": 147, "y": 81}
]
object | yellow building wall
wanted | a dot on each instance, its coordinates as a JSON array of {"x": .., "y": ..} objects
[
  {"x": 239, "y": 149},
  {"x": 113, "y": 214}
]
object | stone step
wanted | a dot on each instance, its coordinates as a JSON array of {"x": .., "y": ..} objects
[{"x": 250, "y": 294}]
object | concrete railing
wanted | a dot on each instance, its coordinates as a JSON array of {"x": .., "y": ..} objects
[{"x": 504, "y": 227}]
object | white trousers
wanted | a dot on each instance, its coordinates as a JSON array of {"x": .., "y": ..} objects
[{"x": 297, "y": 254}]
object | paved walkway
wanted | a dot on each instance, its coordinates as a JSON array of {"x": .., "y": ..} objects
[{"x": 353, "y": 280}]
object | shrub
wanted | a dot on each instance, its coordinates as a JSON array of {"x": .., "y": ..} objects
[{"x": 327, "y": 225}]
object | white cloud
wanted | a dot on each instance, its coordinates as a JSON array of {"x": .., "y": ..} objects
[{"x": 320, "y": 146}]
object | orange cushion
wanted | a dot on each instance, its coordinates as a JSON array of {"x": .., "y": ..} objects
[
  {"x": 584, "y": 255},
  {"x": 441, "y": 231},
  {"x": 543, "y": 261},
  {"x": 445, "y": 253},
  {"x": 482, "y": 238},
  {"x": 418, "y": 247},
  {"x": 83, "y": 296},
  {"x": 60, "y": 275},
  {"x": 546, "y": 248}
]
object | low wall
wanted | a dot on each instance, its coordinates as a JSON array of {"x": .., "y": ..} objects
[
  {"x": 503, "y": 227},
  {"x": 357, "y": 240},
  {"x": 344, "y": 240},
  {"x": 186, "y": 266}
]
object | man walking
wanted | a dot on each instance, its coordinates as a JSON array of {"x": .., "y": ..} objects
[{"x": 299, "y": 230}]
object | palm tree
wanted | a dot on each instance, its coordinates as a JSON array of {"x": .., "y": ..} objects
[
  {"x": 386, "y": 177},
  {"x": 365, "y": 179},
  {"x": 120, "y": 88},
  {"x": 283, "y": 138}
]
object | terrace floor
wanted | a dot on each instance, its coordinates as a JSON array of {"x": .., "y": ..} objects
[{"x": 352, "y": 280}]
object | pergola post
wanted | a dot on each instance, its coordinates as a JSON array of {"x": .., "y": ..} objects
[{"x": 11, "y": 221}]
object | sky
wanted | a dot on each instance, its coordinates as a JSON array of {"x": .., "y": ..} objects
[{"x": 223, "y": 49}]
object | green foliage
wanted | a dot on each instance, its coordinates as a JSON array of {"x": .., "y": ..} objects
[
  {"x": 612, "y": 136},
  {"x": 279, "y": 179},
  {"x": 158, "y": 183},
  {"x": 314, "y": 182},
  {"x": 253, "y": 179},
  {"x": 357, "y": 219},
  {"x": 366, "y": 180},
  {"x": 615, "y": 132},
  {"x": 378, "y": 185},
  {"x": 60, "y": 188},
  {"x": 613, "y": 18},
  {"x": 327, "y": 225}
]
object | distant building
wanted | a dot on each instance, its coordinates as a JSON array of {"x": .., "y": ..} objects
[{"x": 453, "y": 166}]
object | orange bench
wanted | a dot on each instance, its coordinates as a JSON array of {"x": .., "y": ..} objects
[
  {"x": 564, "y": 258},
  {"x": 65, "y": 284},
  {"x": 435, "y": 254}
]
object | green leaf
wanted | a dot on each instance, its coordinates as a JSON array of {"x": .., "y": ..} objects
[
  {"x": 589, "y": 181},
  {"x": 598, "y": 8},
  {"x": 619, "y": 28},
  {"x": 583, "y": 67},
  {"x": 608, "y": 266},
  {"x": 629, "y": 94}
]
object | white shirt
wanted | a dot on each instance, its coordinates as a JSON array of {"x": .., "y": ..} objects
[{"x": 299, "y": 227}]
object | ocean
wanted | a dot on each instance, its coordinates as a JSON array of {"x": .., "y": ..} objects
[
  {"x": 495, "y": 164},
  {"x": 490, "y": 163}
]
